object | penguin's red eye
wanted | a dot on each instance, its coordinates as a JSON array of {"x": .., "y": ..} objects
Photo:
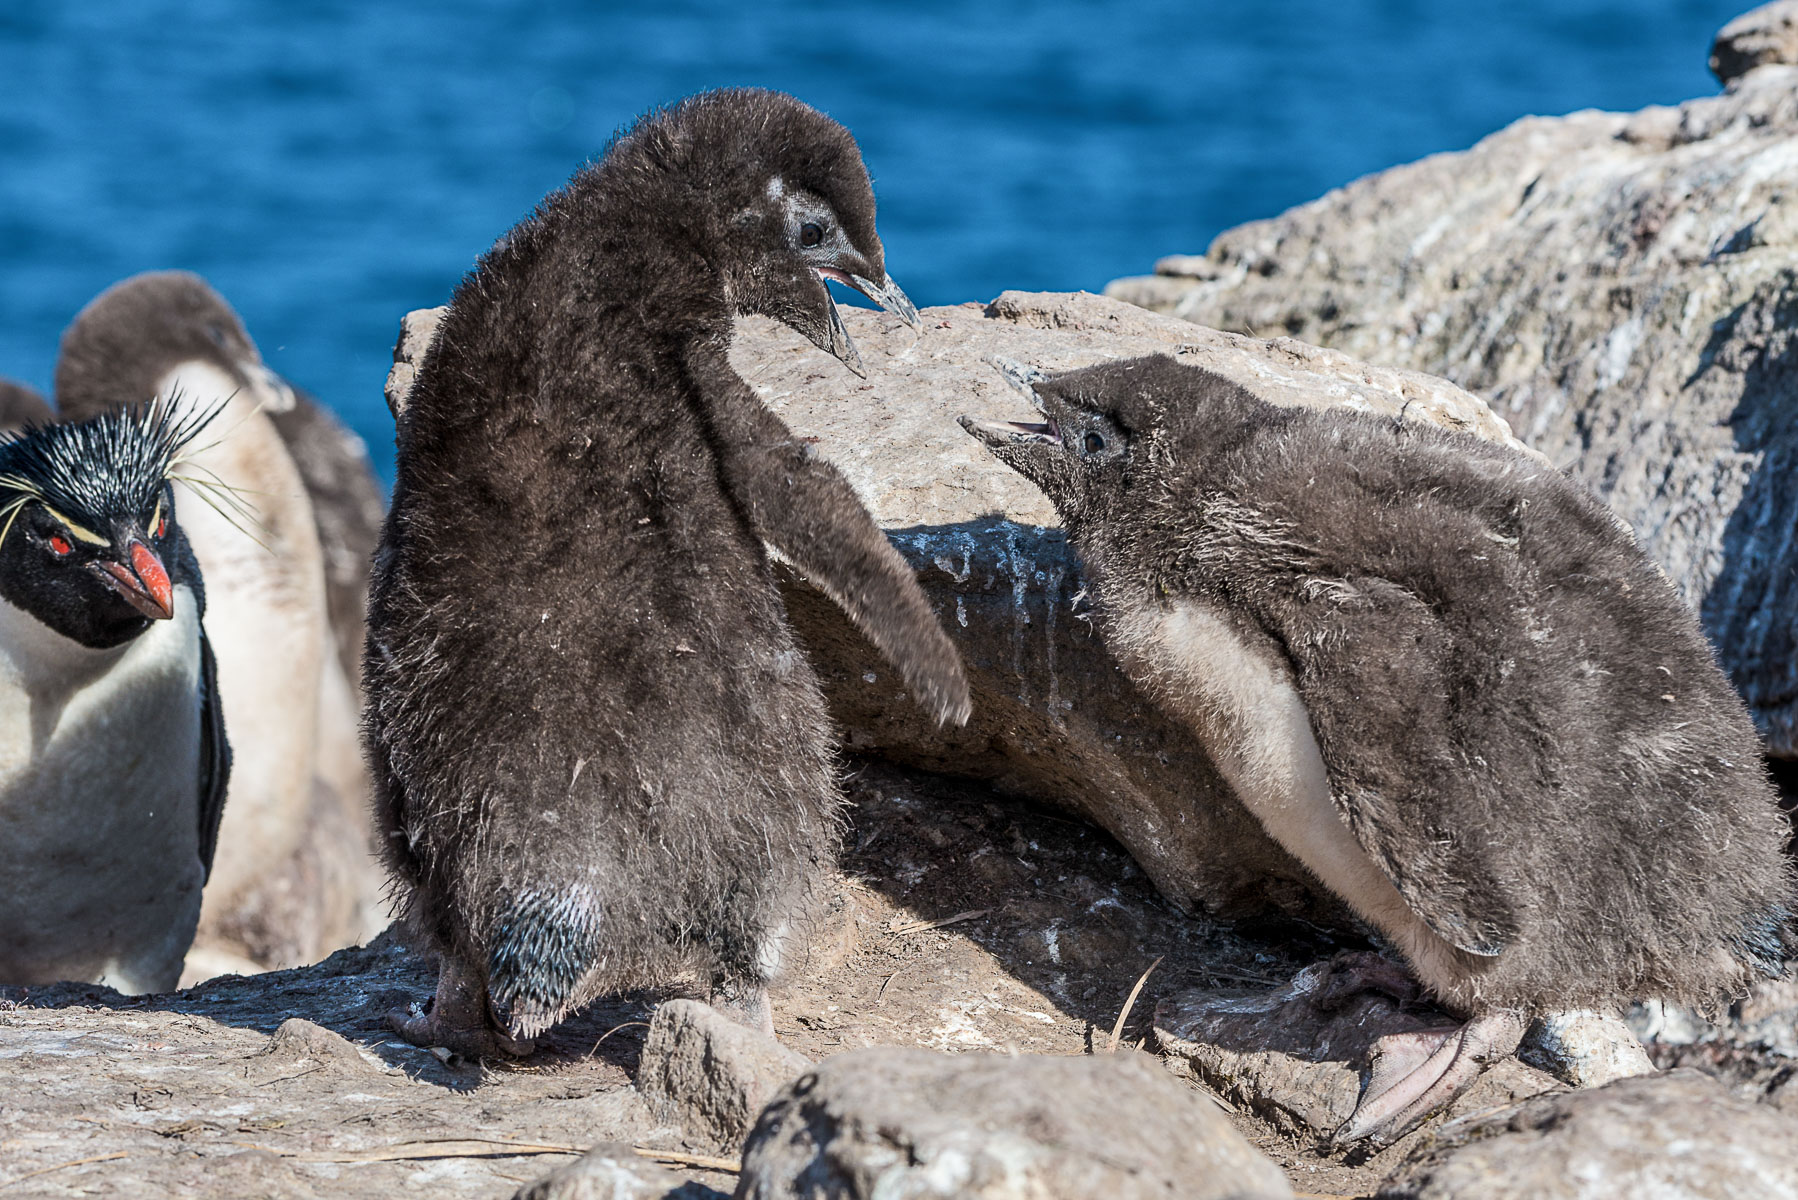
[
  {"x": 59, "y": 545},
  {"x": 162, "y": 525}
]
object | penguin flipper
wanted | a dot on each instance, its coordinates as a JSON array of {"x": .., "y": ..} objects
[
  {"x": 802, "y": 505},
  {"x": 1380, "y": 722},
  {"x": 215, "y": 756}
]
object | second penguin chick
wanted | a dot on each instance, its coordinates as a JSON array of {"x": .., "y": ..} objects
[
  {"x": 600, "y": 755},
  {"x": 1445, "y": 679}
]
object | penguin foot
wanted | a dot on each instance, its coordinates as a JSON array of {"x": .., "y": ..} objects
[
  {"x": 1413, "y": 1075},
  {"x": 1355, "y": 971},
  {"x": 458, "y": 1018}
]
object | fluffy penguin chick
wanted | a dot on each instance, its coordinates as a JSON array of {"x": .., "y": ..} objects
[
  {"x": 600, "y": 756},
  {"x": 299, "y": 878},
  {"x": 113, "y": 759},
  {"x": 1444, "y": 678}
]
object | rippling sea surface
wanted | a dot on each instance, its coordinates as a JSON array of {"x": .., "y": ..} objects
[{"x": 329, "y": 166}]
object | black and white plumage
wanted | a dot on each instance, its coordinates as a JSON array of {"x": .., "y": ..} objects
[
  {"x": 113, "y": 759},
  {"x": 1444, "y": 678},
  {"x": 600, "y": 756}
]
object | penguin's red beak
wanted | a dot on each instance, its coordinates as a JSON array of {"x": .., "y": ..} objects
[{"x": 144, "y": 584}]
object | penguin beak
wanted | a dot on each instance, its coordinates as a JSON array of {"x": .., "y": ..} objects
[
  {"x": 1011, "y": 433},
  {"x": 836, "y": 339},
  {"x": 1015, "y": 433},
  {"x": 144, "y": 583},
  {"x": 886, "y": 294}
]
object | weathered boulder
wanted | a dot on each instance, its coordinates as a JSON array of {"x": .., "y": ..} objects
[
  {"x": 1677, "y": 1136},
  {"x": 1054, "y": 718},
  {"x": 709, "y": 1075},
  {"x": 913, "y": 1124},
  {"x": 1621, "y": 286}
]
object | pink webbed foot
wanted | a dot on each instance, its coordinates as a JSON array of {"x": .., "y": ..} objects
[
  {"x": 1413, "y": 1075},
  {"x": 459, "y": 1018}
]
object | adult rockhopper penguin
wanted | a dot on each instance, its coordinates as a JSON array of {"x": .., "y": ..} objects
[
  {"x": 600, "y": 756},
  {"x": 113, "y": 760},
  {"x": 1444, "y": 678}
]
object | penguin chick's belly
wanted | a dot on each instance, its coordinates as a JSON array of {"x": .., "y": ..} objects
[
  {"x": 1247, "y": 713},
  {"x": 100, "y": 871}
]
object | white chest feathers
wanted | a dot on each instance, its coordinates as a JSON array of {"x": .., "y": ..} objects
[{"x": 100, "y": 871}]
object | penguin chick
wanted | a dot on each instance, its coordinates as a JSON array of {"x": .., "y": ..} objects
[
  {"x": 600, "y": 756},
  {"x": 1444, "y": 679},
  {"x": 22, "y": 405},
  {"x": 113, "y": 760},
  {"x": 299, "y": 878}
]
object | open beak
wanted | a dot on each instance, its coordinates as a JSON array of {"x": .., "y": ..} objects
[
  {"x": 144, "y": 584},
  {"x": 1013, "y": 433},
  {"x": 886, "y": 294}
]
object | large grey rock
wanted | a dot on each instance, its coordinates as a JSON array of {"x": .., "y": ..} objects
[
  {"x": 913, "y": 1125},
  {"x": 1054, "y": 718},
  {"x": 1678, "y": 1136},
  {"x": 708, "y": 1074},
  {"x": 1622, "y": 287}
]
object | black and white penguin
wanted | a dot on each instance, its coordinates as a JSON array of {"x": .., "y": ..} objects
[
  {"x": 600, "y": 755},
  {"x": 1445, "y": 679},
  {"x": 22, "y": 405},
  {"x": 300, "y": 878},
  {"x": 113, "y": 760}
]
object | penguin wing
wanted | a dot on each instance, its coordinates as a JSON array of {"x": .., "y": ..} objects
[
  {"x": 215, "y": 755},
  {"x": 1384, "y": 713},
  {"x": 803, "y": 506}
]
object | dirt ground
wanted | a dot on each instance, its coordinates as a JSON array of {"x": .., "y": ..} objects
[{"x": 965, "y": 922}]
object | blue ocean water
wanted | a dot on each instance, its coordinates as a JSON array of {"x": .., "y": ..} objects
[{"x": 332, "y": 164}]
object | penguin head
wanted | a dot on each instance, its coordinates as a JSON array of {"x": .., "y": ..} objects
[
  {"x": 787, "y": 206},
  {"x": 159, "y": 333},
  {"x": 87, "y": 521},
  {"x": 1094, "y": 423},
  {"x": 21, "y": 405}
]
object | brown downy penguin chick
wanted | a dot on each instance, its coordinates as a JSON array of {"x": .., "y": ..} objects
[
  {"x": 22, "y": 405},
  {"x": 297, "y": 877},
  {"x": 1445, "y": 679},
  {"x": 600, "y": 756}
]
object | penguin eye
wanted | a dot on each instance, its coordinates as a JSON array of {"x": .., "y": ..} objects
[
  {"x": 59, "y": 546},
  {"x": 1094, "y": 443},
  {"x": 160, "y": 523},
  {"x": 811, "y": 234}
]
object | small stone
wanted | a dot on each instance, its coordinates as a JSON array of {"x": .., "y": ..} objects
[
  {"x": 1586, "y": 1048},
  {"x": 1678, "y": 1136},
  {"x": 708, "y": 1074},
  {"x": 889, "y": 1122},
  {"x": 609, "y": 1171},
  {"x": 1768, "y": 34},
  {"x": 298, "y": 1038}
]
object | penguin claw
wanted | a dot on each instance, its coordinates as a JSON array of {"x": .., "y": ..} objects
[
  {"x": 1412, "y": 1076},
  {"x": 482, "y": 1041}
]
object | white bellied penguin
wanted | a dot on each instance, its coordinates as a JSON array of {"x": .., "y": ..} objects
[
  {"x": 600, "y": 757},
  {"x": 113, "y": 760},
  {"x": 300, "y": 878},
  {"x": 1444, "y": 678}
]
